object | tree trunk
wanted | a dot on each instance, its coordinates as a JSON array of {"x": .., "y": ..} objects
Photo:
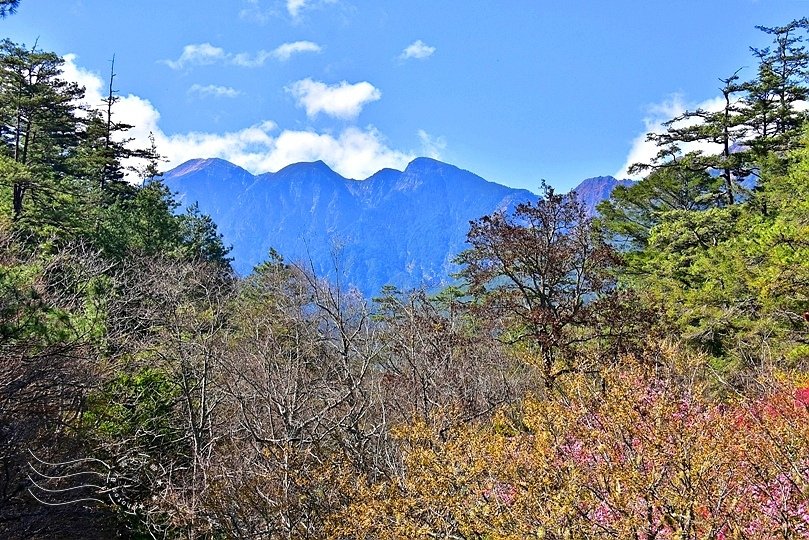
[{"x": 19, "y": 193}]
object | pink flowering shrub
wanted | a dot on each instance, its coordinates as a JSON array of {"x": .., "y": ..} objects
[{"x": 637, "y": 456}]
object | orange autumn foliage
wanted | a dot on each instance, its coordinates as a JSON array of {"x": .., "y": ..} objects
[{"x": 641, "y": 454}]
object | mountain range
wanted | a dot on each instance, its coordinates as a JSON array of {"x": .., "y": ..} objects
[{"x": 402, "y": 228}]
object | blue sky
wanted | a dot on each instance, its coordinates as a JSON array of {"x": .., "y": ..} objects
[{"x": 516, "y": 91}]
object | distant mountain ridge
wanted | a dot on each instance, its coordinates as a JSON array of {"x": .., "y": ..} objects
[
  {"x": 396, "y": 227},
  {"x": 594, "y": 190}
]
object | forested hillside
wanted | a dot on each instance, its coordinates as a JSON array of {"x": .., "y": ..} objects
[{"x": 641, "y": 375}]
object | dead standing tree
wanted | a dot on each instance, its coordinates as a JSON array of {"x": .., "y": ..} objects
[
  {"x": 436, "y": 363},
  {"x": 299, "y": 385}
]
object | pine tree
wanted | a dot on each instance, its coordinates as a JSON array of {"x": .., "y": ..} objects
[
  {"x": 722, "y": 129},
  {"x": 771, "y": 99},
  {"x": 631, "y": 212},
  {"x": 8, "y": 7},
  {"x": 106, "y": 151},
  {"x": 38, "y": 122}
]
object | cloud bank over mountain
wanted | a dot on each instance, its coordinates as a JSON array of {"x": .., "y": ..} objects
[{"x": 353, "y": 151}]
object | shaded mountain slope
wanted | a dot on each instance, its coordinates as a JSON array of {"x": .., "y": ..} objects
[{"x": 396, "y": 227}]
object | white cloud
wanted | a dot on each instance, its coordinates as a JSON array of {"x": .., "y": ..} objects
[
  {"x": 91, "y": 82},
  {"x": 254, "y": 12},
  {"x": 197, "y": 54},
  {"x": 431, "y": 146},
  {"x": 294, "y": 7},
  {"x": 206, "y": 54},
  {"x": 644, "y": 151},
  {"x": 250, "y": 61},
  {"x": 237, "y": 146},
  {"x": 354, "y": 152},
  {"x": 129, "y": 109},
  {"x": 281, "y": 53},
  {"x": 418, "y": 49},
  {"x": 342, "y": 100},
  {"x": 285, "y": 51},
  {"x": 213, "y": 91}
]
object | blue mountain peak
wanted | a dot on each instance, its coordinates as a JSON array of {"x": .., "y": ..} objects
[
  {"x": 594, "y": 190},
  {"x": 425, "y": 165},
  {"x": 396, "y": 227},
  {"x": 308, "y": 168},
  {"x": 209, "y": 164}
]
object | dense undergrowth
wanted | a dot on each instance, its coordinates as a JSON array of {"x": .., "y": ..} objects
[{"x": 643, "y": 375}]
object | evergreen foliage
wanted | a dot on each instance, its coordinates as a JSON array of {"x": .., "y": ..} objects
[{"x": 8, "y": 7}]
